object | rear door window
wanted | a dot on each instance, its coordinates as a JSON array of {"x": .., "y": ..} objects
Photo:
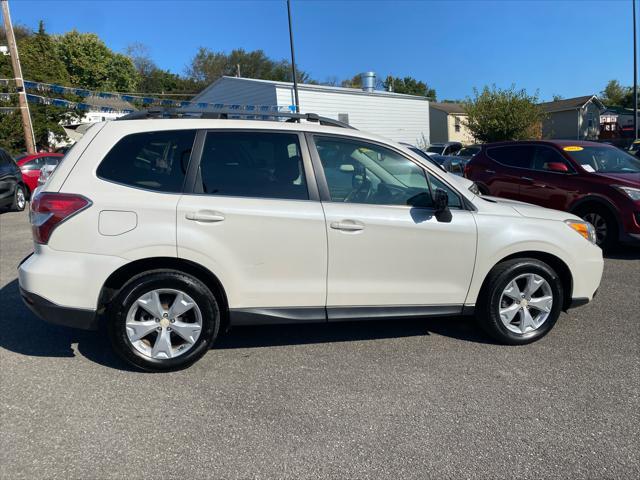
[
  {"x": 519, "y": 156},
  {"x": 252, "y": 164},
  {"x": 150, "y": 160}
]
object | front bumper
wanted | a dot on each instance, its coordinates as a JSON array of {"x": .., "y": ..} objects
[{"x": 65, "y": 316}]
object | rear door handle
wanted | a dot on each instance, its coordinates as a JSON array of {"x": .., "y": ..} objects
[
  {"x": 206, "y": 216},
  {"x": 490, "y": 171},
  {"x": 527, "y": 179},
  {"x": 347, "y": 226}
]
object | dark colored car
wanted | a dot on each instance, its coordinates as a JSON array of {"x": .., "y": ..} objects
[
  {"x": 597, "y": 182},
  {"x": 12, "y": 189},
  {"x": 469, "y": 151},
  {"x": 30, "y": 166},
  {"x": 429, "y": 157}
]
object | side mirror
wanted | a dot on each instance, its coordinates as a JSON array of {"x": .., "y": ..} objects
[
  {"x": 557, "y": 167},
  {"x": 440, "y": 200}
]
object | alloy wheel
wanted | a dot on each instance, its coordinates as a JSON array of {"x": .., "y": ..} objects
[
  {"x": 21, "y": 200},
  {"x": 164, "y": 323},
  {"x": 525, "y": 303}
]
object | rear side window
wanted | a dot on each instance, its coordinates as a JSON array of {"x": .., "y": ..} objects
[
  {"x": 253, "y": 164},
  {"x": 150, "y": 160},
  {"x": 519, "y": 156}
]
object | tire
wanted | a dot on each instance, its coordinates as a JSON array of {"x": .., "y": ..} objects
[
  {"x": 159, "y": 348},
  {"x": 498, "y": 295},
  {"x": 605, "y": 224},
  {"x": 19, "y": 199}
]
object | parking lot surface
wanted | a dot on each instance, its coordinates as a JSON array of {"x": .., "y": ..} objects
[{"x": 428, "y": 398}]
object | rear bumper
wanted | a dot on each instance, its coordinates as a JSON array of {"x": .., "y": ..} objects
[{"x": 65, "y": 316}]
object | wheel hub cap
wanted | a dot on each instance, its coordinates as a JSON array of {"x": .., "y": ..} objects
[
  {"x": 525, "y": 303},
  {"x": 164, "y": 323}
]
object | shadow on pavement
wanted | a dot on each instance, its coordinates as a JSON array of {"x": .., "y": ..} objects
[
  {"x": 24, "y": 333},
  {"x": 623, "y": 252}
]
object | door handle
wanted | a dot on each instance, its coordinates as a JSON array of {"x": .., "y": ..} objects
[
  {"x": 347, "y": 226},
  {"x": 204, "y": 216},
  {"x": 490, "y": 171},
  {"x": 527, "y": 179}
]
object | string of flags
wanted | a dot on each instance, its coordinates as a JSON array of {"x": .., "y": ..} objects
[{"x": 131, "y": 99}]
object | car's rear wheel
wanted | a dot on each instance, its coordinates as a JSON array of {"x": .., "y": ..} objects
[
  {"x": 604, "y": 223},
  {"x": 163, "y": 320},
  {"x": 520, "y": 301},
  {"x": 19, "y": 199}
]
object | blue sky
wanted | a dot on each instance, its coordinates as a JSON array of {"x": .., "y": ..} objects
[{"x": 569, "y": 48}]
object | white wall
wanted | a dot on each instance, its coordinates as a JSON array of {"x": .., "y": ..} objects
[
  {"x": 238, "y": 91},
  {"x": 398, "y": 118}
]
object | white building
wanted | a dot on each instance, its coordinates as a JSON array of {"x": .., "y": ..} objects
[{"x": 403, "y": 118}]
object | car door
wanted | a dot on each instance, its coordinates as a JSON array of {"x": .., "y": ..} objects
[
  {"x": 509, "y": 169},
  {"x": 253, "y": 218},
  {"x": 544, "y": 186},
  {"x": 387, "y": 257},
  {"x": 31, "y": 172},
  {"x": 7, "y": 179}
]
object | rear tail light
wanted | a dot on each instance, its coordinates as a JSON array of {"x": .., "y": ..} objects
[{"x": 48, "y": 210}]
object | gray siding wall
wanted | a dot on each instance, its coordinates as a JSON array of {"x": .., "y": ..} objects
[
  {"x": 438, "y": 125},
  {"x": 399, "y": 119},
  {"x": 231, "y": 91},
  {"x": 561, "y": 125}
]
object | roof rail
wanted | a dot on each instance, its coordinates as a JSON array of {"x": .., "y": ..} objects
[{"x": 231, "y": 114}]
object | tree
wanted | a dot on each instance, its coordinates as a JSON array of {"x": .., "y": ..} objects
[
  {"x": 496, "y": 114},
  {"x": 409, "y": 86},
  {"x": 91, "y": 64},
  {"x": 40, "y": 59},
  {"x": 616, "y": 95},
  {"x": 207, "y": 66}
]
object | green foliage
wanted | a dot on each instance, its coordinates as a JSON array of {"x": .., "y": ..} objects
[
  {"x": 208, "y": 66},
  {"x": 615, "y": 95},
  {"x": 409, "y": 86},
  {"x": 353, "y": 82},
  {"x": 91, "y": 64},
  {"x": 495, "y": 114}
]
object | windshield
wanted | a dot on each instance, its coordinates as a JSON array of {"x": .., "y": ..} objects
[
  {"x": 604, "y": 159},
  {"x": 434, "y": 149}
]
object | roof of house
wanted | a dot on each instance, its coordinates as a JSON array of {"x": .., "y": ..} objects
[
  {"x": 112, "y": 102},
  {"x": 311, "y": 87},
  {"x": 570, "y": 104},
  {"x": 448, "y": 107}
]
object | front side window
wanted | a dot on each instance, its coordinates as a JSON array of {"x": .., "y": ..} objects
[
  {"x": 253, "y": 164},
  {"x": 150, "y": 160},
  {"x": 544, "y": 159},
  {"x": 359, "y": 172}
]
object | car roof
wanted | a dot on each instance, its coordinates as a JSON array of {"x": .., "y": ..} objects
[{"x": 558, "y": 143}]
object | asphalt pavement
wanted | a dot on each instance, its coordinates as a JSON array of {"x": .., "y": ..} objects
[{"x": 430, "y": 398}]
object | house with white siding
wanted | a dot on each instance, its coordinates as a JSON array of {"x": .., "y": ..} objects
[{"x": 399, "y": 117}]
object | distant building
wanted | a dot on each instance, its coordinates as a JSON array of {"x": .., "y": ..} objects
[
  {"x": 102, "y": 109},
  {"x": 448, "y": 123},
  {"x": 572, "y": 118},
  {"x": 399, "y": 117}
]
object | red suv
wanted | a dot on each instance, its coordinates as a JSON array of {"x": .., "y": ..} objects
[{"x": 598, "y": 182}]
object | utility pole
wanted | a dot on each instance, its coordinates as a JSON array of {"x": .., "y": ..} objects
[
  {"x": 293, "y": 61},
  {"x": 29, "y": 138},
  {"x": 635, "y": 75}
]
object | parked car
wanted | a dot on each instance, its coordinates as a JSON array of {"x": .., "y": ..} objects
[
  {"x": 634, "y": 148},
  {"x": 30, "y": 166},
  {"x": 448, "y": 148},
  {"x": 12, "y": 188},
  {"x": 170, "y": 230},
  {"x": 452, "y": 163},
  {"x": 597, "y": 182}
]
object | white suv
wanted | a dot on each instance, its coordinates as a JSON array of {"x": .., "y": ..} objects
[{"x": 171, "y": 230}]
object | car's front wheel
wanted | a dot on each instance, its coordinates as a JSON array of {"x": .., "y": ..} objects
[
  {"x": 163, "y": 321},
  {"x": 19, "y": 199},
  {"x": 520, "y": 301}
]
